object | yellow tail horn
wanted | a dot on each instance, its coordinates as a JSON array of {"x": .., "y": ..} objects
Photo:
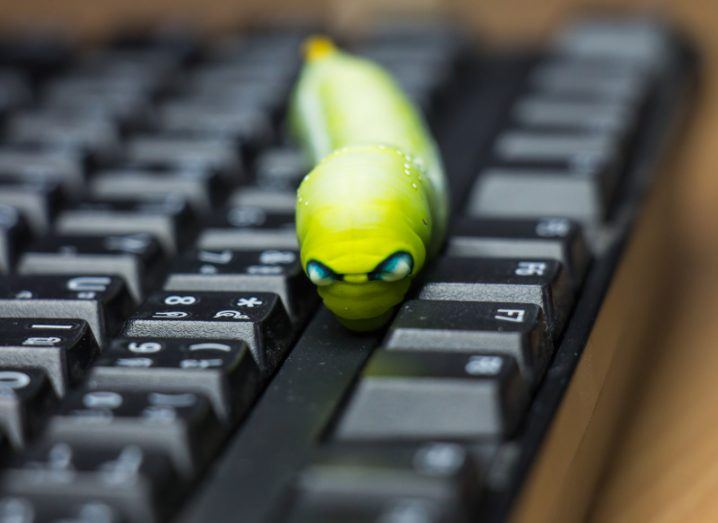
[{"x": 316, "y": 47}]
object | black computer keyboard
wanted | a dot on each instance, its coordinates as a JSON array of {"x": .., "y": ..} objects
[{"x": 164, "y": 358}]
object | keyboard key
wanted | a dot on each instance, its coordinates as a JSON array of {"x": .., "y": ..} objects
[
  {"x": 35, "y": 199},
  {"x": 102, "y": 480},
  {"x": 538, "y": 281},
  {"x": 63, "y": 349},
  {"x": 179, "y": 424},
  {"x": 15, "y": 509},
  {"x": 517, "y": 330},
  {"x": 264, "y": 198},
  {"x": 24, "y": 163},
  {"x": 13, "y": 235},
  {"x": 97, "y": 136},
  {"x": 271, "y": 270},
  {"x": 15, "y": 90},
  {"x": 557, "y": 113},
  {"x": 136, "y": 258},
  {"x": 530, "y": 192},
  {"x": 123, "y": 100},
  {"x": 186, "y": 152},
  {"x": 281, "y": 169},
  {"x": 168, "y": 219},
  {"x": 639, "y": 42},
  {"x": 271, "y": 45},
  {"x": 102, "y": 301},
  {"x": 555, "y": 238},
  {"x": 249, "y": 228},
  {"x": 25, "y": 397},
  {"x": 579, "y": 79},
  {"x": 575, "y": 148},
  {"x": 199, "y": 188},
  {"x": 222, "y": 370},
  {"x": 150, "y": 67},
  {"x": 391, "y": 510},
  {"x": 257, "y": 318},
  {"x": 248, "y": 127},
  {"x": 236, "y": 95},
  {"x": 419, "y": 395},
  {"x": 428, "y": 483}
]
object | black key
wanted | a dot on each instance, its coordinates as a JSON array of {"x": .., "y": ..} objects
[
  {"x": 636, "y": 42},
  {"x": 179, "y": 424},
  {"x": 248, "y": 127},
  {"x": 96, "y": 136},
  {"x": 168, "y": 219},
  {"x": 223, "y": 90},
  {"x": 281, "y": 168},
  {"x": 271, "y": 270},
  {"x": 102, "y": 301},
  {"x": 432, "y": 482},
  {"x": 136, "y": 258},
  {"x": 538, "y": 281},
  {"x": 187, "y": 152},
  {"x": 575, "y": 148},
  {"x": 15, "y": 509},
  {"x": 248, "y": 63},
  {"x": 249, "y": 228},
  {"x": 25, "y": 396},
  {"x": 530, "y": 191},
  {"x": 200, "y": 188},
  {"x": 265, "y": 198},
  {"x": 269, "y": 46},
  {"x": 32, "y": 163},
  {"x": 14, "y": 234},
  {"x": 347, "y": 510},
  {"x": 63, "y": 349},
  {"x": 517, "y": 330},
  {"x": 257, "y": 318},
  {"x": 123, "y": 100},
  {"x": 419, "y": 395},
  {"x": 542, "y": 112},
  {"x": 15, "y": 90},
  {"x": 152, "y": 67},
  {"x": 555, "y": 238},
  {"x": 222, "y": 370},
  {"x": 138, "y": 484},
  {"x": 422, "y": 37},
  {"x": 35, "y": 199},
  {"x": 580, "y": 79}
]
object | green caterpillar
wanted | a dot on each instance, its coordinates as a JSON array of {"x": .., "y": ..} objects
[{"x": 375, "y": 206}]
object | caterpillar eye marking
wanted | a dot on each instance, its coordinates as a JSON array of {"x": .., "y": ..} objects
[
  {"x": 320, "y": 274},
  {"x": 396, "y": 267}
]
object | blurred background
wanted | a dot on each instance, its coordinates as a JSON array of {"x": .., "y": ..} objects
[{"x": 665, "y": 467}]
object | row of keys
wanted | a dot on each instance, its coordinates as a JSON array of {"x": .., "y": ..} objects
[{"x": 562, "y": 150}]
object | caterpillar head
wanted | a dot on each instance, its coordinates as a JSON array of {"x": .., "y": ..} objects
[{"x": 363, "y": 231}]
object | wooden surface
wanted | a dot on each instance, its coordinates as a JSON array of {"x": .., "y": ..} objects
[{"x": 665, "y": 467}]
